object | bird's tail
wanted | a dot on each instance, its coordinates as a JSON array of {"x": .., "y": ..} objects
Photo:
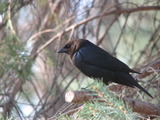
[
  {"x": 141, "y": 88},
  {"x": 130, "y": 81}
]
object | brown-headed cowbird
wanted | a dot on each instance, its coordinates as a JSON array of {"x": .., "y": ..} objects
[{"x": 96, "y": 63}]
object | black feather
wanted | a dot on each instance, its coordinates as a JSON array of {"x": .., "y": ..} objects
[{"x": 94, "y": 62}]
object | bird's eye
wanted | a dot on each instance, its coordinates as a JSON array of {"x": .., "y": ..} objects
[{"x": 68, "y": 46}]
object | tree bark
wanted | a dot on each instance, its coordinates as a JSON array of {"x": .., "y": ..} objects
[{"x": 136, "y": 105}]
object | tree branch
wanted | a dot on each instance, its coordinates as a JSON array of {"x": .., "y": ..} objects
[
  {"x": 74, "y": 26},
  {"x": 136, "y": 105}
]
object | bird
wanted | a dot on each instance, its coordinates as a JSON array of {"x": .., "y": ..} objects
[{"x": 97, "y": 63}]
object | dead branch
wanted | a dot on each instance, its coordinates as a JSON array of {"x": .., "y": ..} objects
[
  {"x": 136, "y": 105},
  {"x": 8, "y": 106},
  {"x": 149, "y": 69},
  {"x": 74, "y": 26},
  {"x": 143, "y": 107},
  {"x": 79, "y": 96}
]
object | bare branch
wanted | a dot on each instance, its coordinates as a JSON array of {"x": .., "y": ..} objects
[{"x": 74, "y": 26}]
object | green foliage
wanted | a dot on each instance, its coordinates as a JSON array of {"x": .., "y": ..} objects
[
  {"x": 14, "y": 57},
  {"x": 111, "y": 108},
  {"x": 3, "y": 6},
  {"x": 2, "y": 118}
]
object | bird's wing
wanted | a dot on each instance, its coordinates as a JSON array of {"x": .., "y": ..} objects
[{"x": 96, "y": 56}]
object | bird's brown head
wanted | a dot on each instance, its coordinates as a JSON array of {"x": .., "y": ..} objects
[{"x": 72, "y": 46}]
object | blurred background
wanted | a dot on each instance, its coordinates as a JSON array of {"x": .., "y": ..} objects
[{"x": 34, "y": 77}]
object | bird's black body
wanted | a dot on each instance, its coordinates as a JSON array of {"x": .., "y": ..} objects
[{"x": 96, "y": 63}]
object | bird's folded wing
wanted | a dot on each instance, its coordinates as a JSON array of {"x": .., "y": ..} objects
[{"x": 96, "y": 56}]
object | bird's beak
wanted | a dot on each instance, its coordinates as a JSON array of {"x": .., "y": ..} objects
[{"x": 63, "y": 50}]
